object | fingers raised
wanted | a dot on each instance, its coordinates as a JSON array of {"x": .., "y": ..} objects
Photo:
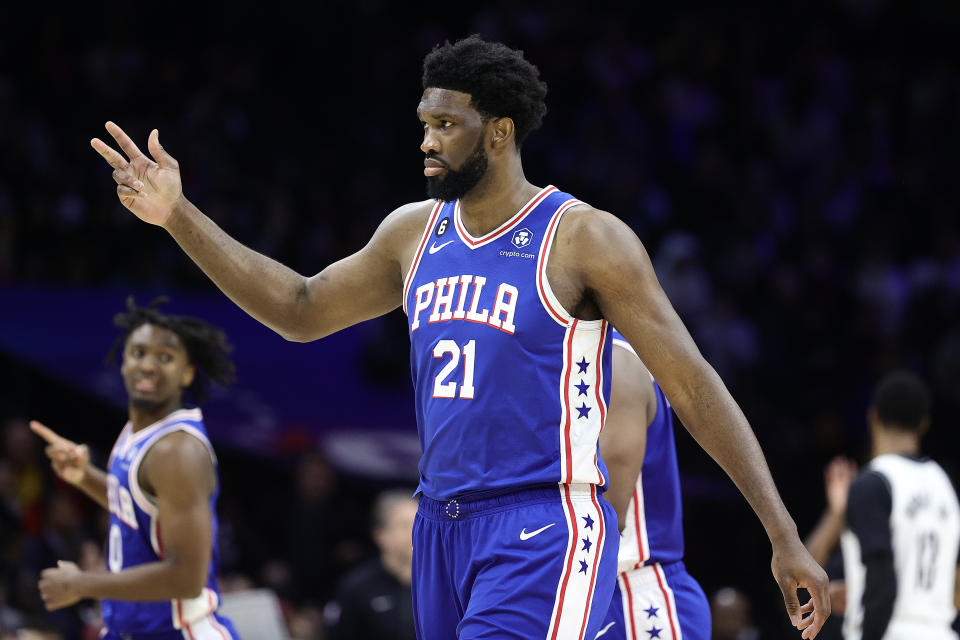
[
  {"x": 124, "y": 141},
  {"x": 46, "y": 433},
  {"x": 163, "y": 159},
  {"x": 111, "y": 155}
]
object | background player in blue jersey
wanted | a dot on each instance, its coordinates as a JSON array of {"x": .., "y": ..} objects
[
  {"x": 509, "y": 326},
  {"x": 655, "y": 596},
  {"x": 160, "y": 488}
]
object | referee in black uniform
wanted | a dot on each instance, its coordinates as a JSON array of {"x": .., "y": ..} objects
[{"x": 374, "y": 600}]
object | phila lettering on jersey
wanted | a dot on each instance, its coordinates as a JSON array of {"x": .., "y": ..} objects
[
  {"x": 136, "y": 533},
  {"x": 511, "y": 391},
  {"x": 654, "y": 528}
]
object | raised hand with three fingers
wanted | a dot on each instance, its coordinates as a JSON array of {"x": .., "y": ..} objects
[
  {"x": 148, "y": 186},
  {"x": 68, "y": 459}
]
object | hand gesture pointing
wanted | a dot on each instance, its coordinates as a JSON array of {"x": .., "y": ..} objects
[
  {"x": 68, "y": 459},
  {"x": 148, "y": 187}
]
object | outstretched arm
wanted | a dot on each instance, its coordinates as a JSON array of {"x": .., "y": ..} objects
[
  {"x": 71, "y": 461},
  {"x": 837, "y": 478},
  {"x": 362, "y": 286},
  {"x": 179, "y": 470},
  {"x": 623, "y": 442},
  {"x": 622, "y": 283}
]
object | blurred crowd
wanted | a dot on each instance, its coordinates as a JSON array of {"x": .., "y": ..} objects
[{"x": 790, "y": 169}]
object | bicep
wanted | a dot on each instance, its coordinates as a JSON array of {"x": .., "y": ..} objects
[
  {"x": 868, "y": 513},
  {"x": 183, "y": 478},
  {"x": 368, "y": 283},
  {"x": 625, "y": 287},
  {"x": 624, "y": 437}
]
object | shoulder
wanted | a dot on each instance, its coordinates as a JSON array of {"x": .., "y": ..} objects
[
  {"x": 870, "y": 493},
  {"x": 586, "y": 223},
  {"x": 178, "y": 460},
  {"x": 400, "y": 231},
  {"x": 590, "y": 236},
  {"x": 409, "y": 218}
]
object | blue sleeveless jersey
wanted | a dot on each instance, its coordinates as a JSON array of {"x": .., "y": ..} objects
[
  {"x": 136, "y": 533},
  {"x": 654, "y": 527},
  {"x": 511, "y": 391}
]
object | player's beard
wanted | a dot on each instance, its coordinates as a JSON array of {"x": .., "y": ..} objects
[{"x": 456, "y": 184}]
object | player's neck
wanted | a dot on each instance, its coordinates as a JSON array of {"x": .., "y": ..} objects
[
  {"x": 902, "y": 443},
  {"x": 499, "y": 195},
  {"x": 141, "y": 418}
]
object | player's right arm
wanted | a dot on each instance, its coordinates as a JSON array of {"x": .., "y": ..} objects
[
  {"x": 71, "y": 462},
  {"x": 362, "y": 286},
  {"x": 623, "y": 442}
]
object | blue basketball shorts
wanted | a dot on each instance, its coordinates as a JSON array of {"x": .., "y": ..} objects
[
  {"x": 213, "y": 627},
  {"x": 538, "y": 563},
  {"x": 657, "y": 601}
]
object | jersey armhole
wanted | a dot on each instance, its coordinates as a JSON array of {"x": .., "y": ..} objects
[
  {"x": 412, "y": 271},
  {"x": 144, "y": 500},
  {"x": 548, "y": 299}
]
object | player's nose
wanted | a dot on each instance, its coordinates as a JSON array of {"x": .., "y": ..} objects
[{"x": 430, "y": 142}]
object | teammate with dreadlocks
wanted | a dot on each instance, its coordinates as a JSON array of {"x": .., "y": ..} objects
[
  {"x": 160, "y": 487},
  {"x": 509, "y": 290}
]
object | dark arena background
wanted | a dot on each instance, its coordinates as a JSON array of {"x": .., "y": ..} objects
[{"x": 791, "y": 169}]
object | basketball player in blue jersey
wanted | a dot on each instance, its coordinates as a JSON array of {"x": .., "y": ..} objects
[
  {"x": 160, "y": 487},
  {"x": 509, "y": 291},
  {"x": 655, "y": 597}
]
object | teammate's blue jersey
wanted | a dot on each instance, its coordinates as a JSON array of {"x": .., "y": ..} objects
[
  {"x": 511, "y": 391},
  {"x": 654, "y": 527},
  {"x": 136, "y": 533}
]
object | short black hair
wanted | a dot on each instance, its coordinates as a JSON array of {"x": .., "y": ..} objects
[
  {"x": 207, "y": 347},
  {"x": 500, "y": 81},
  {"x": 902, "y": 400}
]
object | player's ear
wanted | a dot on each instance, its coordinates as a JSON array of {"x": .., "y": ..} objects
[
  {"x": 189, "y": 372},
  {"x": 502, "y": 132}
]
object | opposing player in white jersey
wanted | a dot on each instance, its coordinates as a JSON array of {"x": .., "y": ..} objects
[
  {"x": 509, "y": 289},
  {"x": 902, "y": 540},
  {"x": 160, "y": 487},
  {"x": 655, "y": 597}
]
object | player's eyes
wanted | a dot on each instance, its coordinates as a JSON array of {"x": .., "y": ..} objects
[
  {"x": 446, "y": 124},
  {"x": 165, "y": 358}
]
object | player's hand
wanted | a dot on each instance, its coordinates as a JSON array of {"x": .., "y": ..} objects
[
  {"x": 59, "y": 586},
  {"x": 148, "y": 187},
  {"x": 794, "y": 568},
  {"x": 68, "y": 459},
  {"x": 838, "y": 596},
  {"x": 837, "y": 478}
]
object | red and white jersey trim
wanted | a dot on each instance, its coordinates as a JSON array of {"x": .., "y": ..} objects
[
  {"x": 194, "y": 616},
  {"x": 431, "y": 223},
  {"x": 634, "y": 546},
  {"x": 643, "y": 588},
  {"x": 581, "y": 421},
  {"x": 547, "y": 298},
  {"x": 514, "y": 220},
  {"x": 574, "y": 598}
]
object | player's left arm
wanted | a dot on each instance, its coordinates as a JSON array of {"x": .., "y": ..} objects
[
  {"x": 623, "y": 443},
  {"x": 608, "y": 262},
  {"x": 868, "y": 516},
  {"x": 179, "y": 471}
]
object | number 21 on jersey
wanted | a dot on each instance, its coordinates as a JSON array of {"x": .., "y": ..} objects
[{"x": 449, "y": 348}]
